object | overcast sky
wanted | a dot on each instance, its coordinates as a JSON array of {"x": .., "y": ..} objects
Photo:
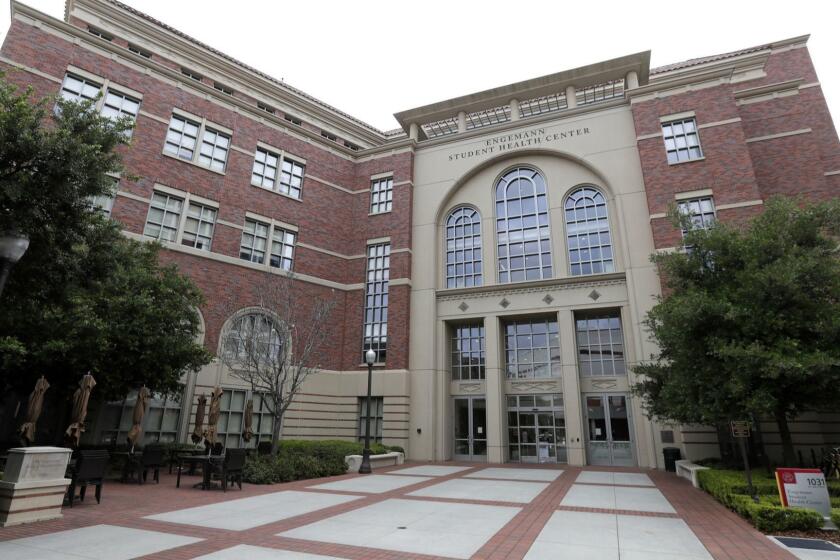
[{"x": 374, "y": 58}]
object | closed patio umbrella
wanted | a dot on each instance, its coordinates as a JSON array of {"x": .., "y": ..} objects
[
  {"x": 248, "y": 433},
  {"x": 137, "y": 417},
  {"x": 213, "y": 419},
  {"x": 33, "y": 411},
  {"x": 199, "y": 419},
  {"x": 80, "y": 404}
]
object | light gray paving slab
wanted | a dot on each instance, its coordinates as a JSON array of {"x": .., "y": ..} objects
[
  {"x": 808, "y": 554},
  {"x": 93, "y": 543},
  {"x": 658, "y": 535},
  {"x": 372, "y": 483},
  {"x": 590, "y": 496},
  {"x": 247, "y": 513},
  {"x": 581, "y": 528},
  {"x": 642, "y": 499},
  {"x": 614, "y": 479},
  {"x": 430, "y": 470},
  {"x": 539, "y": 475},
  {"x": 241, "y": 551},
  {"x": 483, "y": 490},
  {"x": 557, "y": 551},
  {"x": 415, "y": 526}
]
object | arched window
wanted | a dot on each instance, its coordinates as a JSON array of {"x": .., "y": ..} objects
[
  {"x": 463, "y": 248},
  {"x": 588, "y": 232},
  {"x": 522, "y": 243},
  {"x": 253, "y": 338}
]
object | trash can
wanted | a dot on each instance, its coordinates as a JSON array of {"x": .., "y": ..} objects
[{"x": 672, "y": 455}]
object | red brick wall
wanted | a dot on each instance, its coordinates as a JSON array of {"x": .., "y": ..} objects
[{"x": 327, "y": 218}]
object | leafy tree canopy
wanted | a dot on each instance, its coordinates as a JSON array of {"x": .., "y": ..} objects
[{"x": 750, "y": 323}]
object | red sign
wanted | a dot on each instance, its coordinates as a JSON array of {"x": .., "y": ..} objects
[{"x": 804, "y": 488}]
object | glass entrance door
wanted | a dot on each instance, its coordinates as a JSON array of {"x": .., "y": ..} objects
[
  {"x": 609, "y": 432},
  {"x": 536, "y": 428},
  {"x": 470, "y": 422}
]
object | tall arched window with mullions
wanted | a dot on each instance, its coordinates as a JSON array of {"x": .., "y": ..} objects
[
  {"x": 463, "y": 248},
  {"x": 588, "y": 232},
  {"x": 523, "y": 247}
]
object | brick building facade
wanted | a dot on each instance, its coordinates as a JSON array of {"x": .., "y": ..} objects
[{"x": 244, "y": 177}]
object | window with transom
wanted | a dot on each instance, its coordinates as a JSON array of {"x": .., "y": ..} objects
[
  {"x": 253, "y": 338},
  {"x": 463, "y": 248},
  {"x": 522, "y": 232},
  {"x": 588, "y": 233}
]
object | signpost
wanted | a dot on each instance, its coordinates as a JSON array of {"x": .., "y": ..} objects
[
  {"x": 804, "y": 488},
  {"x": 740, "y": 430}
]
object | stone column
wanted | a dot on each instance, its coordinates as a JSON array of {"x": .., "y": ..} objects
[
  {"x": 575, "y": 439},
  {"x": 515, "y": 115},
  {"x": 495, "y": 386},
  {"x": 631, "y": 80},
  {"x": 462, "y": 121},
  {"x": 414, "y": 131},
  {"x": 571, "y": 97}
]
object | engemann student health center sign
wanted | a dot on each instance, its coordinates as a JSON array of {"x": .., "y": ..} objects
[{"x": 804, "y": 488}]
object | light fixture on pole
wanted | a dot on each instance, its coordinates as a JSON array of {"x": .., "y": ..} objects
[
  {"x": 12, "y": 248},
  {"x": 364, "y": 468}
]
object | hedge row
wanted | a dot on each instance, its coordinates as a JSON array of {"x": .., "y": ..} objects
[
  {"x": 835, "y": 516},
  {"x": 302, "y": 459},
  {"x": 730, "y": 489}
]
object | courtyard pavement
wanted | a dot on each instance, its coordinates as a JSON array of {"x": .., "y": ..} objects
[{"x": 414, "y": 511}]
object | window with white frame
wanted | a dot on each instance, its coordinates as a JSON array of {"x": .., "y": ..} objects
[
  {"x": 522, "y": 231},
  {"x": 115, "y": 104},
  {"x": 198, "y": 227},
  {"x": 268, "y": 164},
  {"x": 381, "y": 195},
  {"x": 252, "y": 337},
  {"x": 600, "y": 344},
  {"x": 376, "y": 408},
  {"x": 588, "y": 232},
  {"x": 164, "y": 217},
  {"x": 104, "y": 203},
  {"x": 255, "y": 243},
  {"x": 682, "y": 142},
  {"x": 701, "y": 212},
  {"x": 182, "y": 138},
  {"x": 376, "y": 300},
  {"x": 463, "y": 248},
  {"x": 76, "y": 88},
  {"x": 119, "y": 105},
  {"x": 160, "y": 423}
]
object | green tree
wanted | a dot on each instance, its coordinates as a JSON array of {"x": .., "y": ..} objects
[
  {"x": 750, "y": 323},
  {"x": 83, "y": 297}
]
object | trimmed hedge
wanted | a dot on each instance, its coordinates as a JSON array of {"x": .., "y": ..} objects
[
  {"x": 835, "y": 516},
  {"x": 730, "y": 489},
  {"x": 302, "y": 459}
]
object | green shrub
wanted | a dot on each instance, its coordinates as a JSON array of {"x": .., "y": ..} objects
[
  {"x": 730, "y": 489},
  {"x": 835, "y": 516}
]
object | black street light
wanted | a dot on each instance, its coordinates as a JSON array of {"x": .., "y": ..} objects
[
  {"x": 364, "y": 468},
  {"x": 12, "y": 248}
]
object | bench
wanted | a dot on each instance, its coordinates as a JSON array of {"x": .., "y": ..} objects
[
  {"x": 384, "y": 460},
  {"x": 689, "y": 470}
]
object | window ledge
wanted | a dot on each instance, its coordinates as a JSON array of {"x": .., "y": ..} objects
[
  {"x": 377, "y": 364},
  {"x": 272, "y": 191},
  {"x": 702, "y": 158},
  {"x": 191, "y": 162},
  {"x": 379, "y": 213}
]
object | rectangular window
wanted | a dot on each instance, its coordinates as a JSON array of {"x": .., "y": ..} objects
[
  {"x": 265, "y": 107},
  {"x": 294, "y": 120},
  {"x": 600, "y": 344},
  {"x": 682, "y": 142},
  {"x": 467, "y": 351},
  {"x": 164, "y": 217},
  {"x": 532, "y": 349},
  {"x": 191, "y": 74},
  {"x": 104, "y": 203},
  {"x": 214, "y": 149},
  {"x": 381, "y": 195},
  {"x": 376, "y": 300},
  {"x": 101, "y": 34},
  {"x": 264, "y": 173},
  {"x": 254, "y": 241},
  {"x": 700, "y": 210},
  {"x": 376, "y": 407},
  {"x": 282, "y": 248},
  {"x": 114, "y": 104},
  {"x": 231, "y": 423},
  {"x": 160, "y": 424},
  {"x": 75, "y": 88},
  {"x": 198, "y": 227},
  {"x": 223, "y": 88},
  {"x": 139, "y": 50},
  {"x": 118, "y": 105},
  {"x": 181, "y": 137}
]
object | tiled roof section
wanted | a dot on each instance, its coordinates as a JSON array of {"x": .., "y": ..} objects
[
  {"x": 229, "y": 58},
  {"x": 705, "y": 59}
]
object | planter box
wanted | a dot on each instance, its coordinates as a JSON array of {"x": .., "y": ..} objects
[
  {"x": 384, "y": 460},
  {"x": 34, "y": 485}
]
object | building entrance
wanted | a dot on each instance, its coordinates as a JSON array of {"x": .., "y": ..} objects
[
  {"x": 470, "y": 421},
  {"x": 536, "y": 428},
  {"x": 609, "y": 431}
]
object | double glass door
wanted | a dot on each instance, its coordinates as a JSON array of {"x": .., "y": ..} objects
[
  {"x": 609, "y": 432},
  {"x": 536, "y": 428},
  {"x": 470, "y": 429}
]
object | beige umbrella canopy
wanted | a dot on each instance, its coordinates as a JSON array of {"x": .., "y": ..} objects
[
  {"x": 199, "y": 419},
  {"x": 248, "y": 432},
  {"x": 80, "y": 404},
  {"x": 215, "y": 411},
  {"x": 137, "y": 417},
  {"x": 33, "y": 411}
]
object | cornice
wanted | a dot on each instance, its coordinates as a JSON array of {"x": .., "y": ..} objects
[{"x": 538, "y": 286}]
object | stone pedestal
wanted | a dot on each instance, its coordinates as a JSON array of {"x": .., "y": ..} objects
[{"x": 33, "y": 484}]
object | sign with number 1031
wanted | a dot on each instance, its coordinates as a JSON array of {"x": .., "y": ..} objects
[{"x": 804, "y": 488}]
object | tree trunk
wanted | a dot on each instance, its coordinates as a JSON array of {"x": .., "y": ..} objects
[
  {"x": 276, "y": 426},
  {"x": 788, "y": 455}
]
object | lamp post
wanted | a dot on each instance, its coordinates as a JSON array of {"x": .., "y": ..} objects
[
  {"x": 364, "y": 468},
  {"x": 12, "y": 248}
]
